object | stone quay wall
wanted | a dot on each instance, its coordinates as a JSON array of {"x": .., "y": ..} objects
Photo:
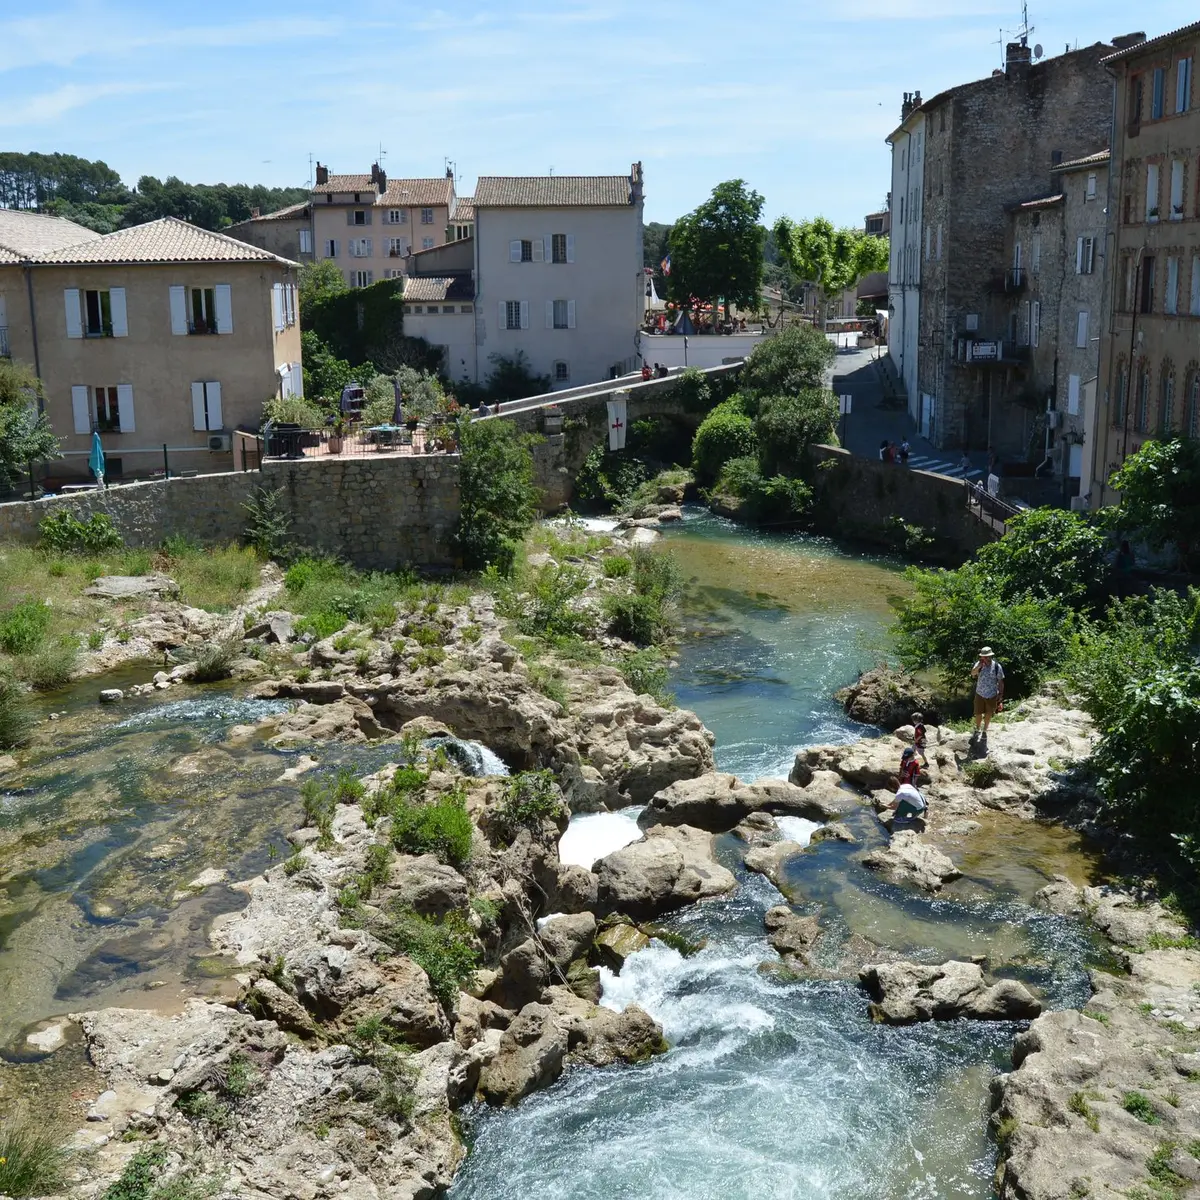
[
  {"x": 858, "y": 498},
  {"x": 379, "y": 513}
]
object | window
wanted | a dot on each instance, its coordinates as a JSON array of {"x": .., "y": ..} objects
[
  {"x": 1119, "y": 413},
  {"x": 562, "y": 372},
  {"x": 466, "y": 308},
  {"x": 97, "y": 311},
  {"x": 1152, "y": 192},
  {"x": 395, "y": 247},
  {"x": 102, "y": 409},
  {"x": 1090, "y": 194},
  {"x": 206, "y": 406},
  {"x": 106, "y": 413},
  {"x": 1166, "y": 398},
  {"x": 1171, "y": 295},
  {"x": 562, "y": 247},
  {"x": 939, "y": 242},
  {"x": 527, "y": 251},
  {"x": 1192, "y": 427},
  {"x": 1147, "y": 296},
  {"x": 361, "y": 278},
  {"x": 202, "y": 310},
  {"x": 901, "y": 210},
  {"x": 1142, "y": 413},
  {"x": 427, "y": 243},
  {"x": 415, "y": 308},
  {"x": 447, "y": 308},
  {"x": 1158, "y": 93},
  {"x": 331, "y": 248},
  {"x": 283, "y": 305},
  {"x": 1176, "y": 212},
  {"x": 1085, "y": 255},
  {"x": 1017, "y": 257},
  {"x": 427, "y": 216},
  {"x": 1073, "y": 395},
  {"x": 1137, "y": 92},
  {"x": 512, "y": 314},
  {"x": 1183, "y": 85},
  {"x": 560, "y": 314},
  {"x": 397, "y": 216},
  {"x": 1035, "y": 263},
  {"x": 360, "y": 247},
  {"x": 928, "y": 242},
  {"x": 1035, "y": 321},
  {"x": 358, "y": 216},
  {"x": 1194, "y": 307},
  {"x": 305, "y": 241},
  {"x": 1081, "y": 329}
]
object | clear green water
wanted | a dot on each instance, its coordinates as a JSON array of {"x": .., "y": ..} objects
[{"x": 774, "y": 1089}]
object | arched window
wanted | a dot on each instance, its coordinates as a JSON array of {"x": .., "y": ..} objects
[
  {"x": 1141, "y": 416},
  {"x": 1166, "y": 399},
  {"x": 1191, "y": 424},
  {"x": 1119, "y": 408}
]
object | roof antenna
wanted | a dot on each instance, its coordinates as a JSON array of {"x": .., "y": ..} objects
[{"x": 551, "y": 170}]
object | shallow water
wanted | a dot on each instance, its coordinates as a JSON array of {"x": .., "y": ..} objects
[{"x": 775, "y": 1088}]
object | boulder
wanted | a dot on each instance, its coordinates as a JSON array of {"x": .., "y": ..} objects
[
  {"x": 530, "y": 1056},
  {"x": 427, "y": 885},
  {"x": 908, "y": 859},
  {"x": 567, "y": 938},
  {"x": 616, "y": 943},
  {"x": 274, "y": 627},
  {"x": 524, "y": 972},
  {"x": 574, "y": 890},
  {"x": 904, "y": 992},
  {"x": 835, "y": 831},
  {"x": 789, "y": 933},
  {"x": 111, "y": 695},
  {"x": 718, "y": 801},
  {"x": 768, "y": 860},
  {"x": 888, "y": 698},
  {"x": 343, "y": 720},
  {"x": 128, "y": 587}
]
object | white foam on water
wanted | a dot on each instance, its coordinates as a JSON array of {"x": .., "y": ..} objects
[
  {"x": 797, "y": 829},
  {"x": 492, "y": 763},
  {"x": 542, "y": 922},
  {"x": 591, "y": 524},
  {"x": 592, "y": 836}
]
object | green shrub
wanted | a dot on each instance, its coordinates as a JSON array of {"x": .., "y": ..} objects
[
  {"x": 320, "y": 803},
  {"x": 777, "y": 500},
  {"x": 617, "y": 566},
  {"x": 1160, "y": 496},
  {"x": 609, "y": 479},
  {"x": 693, "y": 391},
  {"x": 95, "y": 639},
  {"x": 215, "y": 661},
  {"x": 645, "y": 671},
  {"x": 429, "y": 656},
  {"x": 981, "y": 772},
  {"x": 792, "y": 361},
  {"x": 15, "y": 719},
  {"x": 442, "y": 949},
  {"x": 1078, "y": 1104},
  {"x": 636, "y": 619},
  {"x": 24, "y": 626},
  {"x": 727, "y": 432},
  {"x": 375, "y": 870},
  {"x": 426, "y": 635},
  {"x": 548, "y": 608},
  {"x": 1140, "y": 1106},
  {"x": 549, "y": 680},
  {"x": 33, "y": 1158},
  {"x": 910, "y": 539},
  {"x": 440, "y": 827},
  {"x": 51, "y": 667},
  {"x": 136, "y": 1181},
  {"x": 787, "y": 425},
  {"x": 321, "y": 624},
  {"x": 530, "y": 798},
  {"x": 65, "y": 534}
]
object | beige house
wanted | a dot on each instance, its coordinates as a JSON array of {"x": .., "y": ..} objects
[
  {"x": 1150, "y": 348},
  {"x": 368, "y": 224},
  {"x": 287, "y": 232},
  {"x": 159, "y": 335}
]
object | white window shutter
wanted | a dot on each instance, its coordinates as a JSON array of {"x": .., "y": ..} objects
[
  {"x": 1079, "y": 256},
  {"x": 1081, "y": 330},
  {"x": 74, "y": 315},
  {"x": 548, "y": 248},
  {"x": 503, "y": 315},
  {"x": 297, "y": 379},
  {"x": 1176, "y": 189},
  {"x": 224, "y": 302},
  {"x": 125, "y": 407},
  {"x": 80, "y": 408},
  {"x": 549, "y": 314},
  {"x": 570, "y": 247},
  {"x": 277, "y": 306},
  {"x": 120, "y": 316},
  {"x": 514, "y": 250},
  {"x": 539, "y": 250},
  {"x": 213, "y": 394},
  {"x": 349, "y": 216},
  {"x": 524, "y": 314},
  {"x": 1073, "y": 394},
  {"x": 570, "y": 314},
  {"x": 1195, "y": 306},
  {"x": 178, "y": 310},
  {"x": 198, "y": 418}
]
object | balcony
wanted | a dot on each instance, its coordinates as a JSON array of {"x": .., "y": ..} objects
[
  {"x": 4, "y": 350},
  {"x": 202, "y": 327},
  {"x": 1011, "y": 282}
]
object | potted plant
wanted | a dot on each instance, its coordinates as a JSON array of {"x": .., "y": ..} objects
[{"x": 337, "y": 434}]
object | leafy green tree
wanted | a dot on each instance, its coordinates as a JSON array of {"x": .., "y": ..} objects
[
  {"x": 325, "y": 375},
  {"x": 833, "y": 259},
  {"x": 319, "y": 281},
  {"x": 726, "y": 433},
  {"x": 717, "y": 250},
  {"x": 793, "y": 360},
  {"x": 788, "y": 424},
  {"x": 25, "y": 433},
  {"x": 1160, "y": 496},
  {"x": 497, "y": 496}
]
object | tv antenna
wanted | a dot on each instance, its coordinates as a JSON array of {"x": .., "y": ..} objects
[
  {"x": 451, "y": 168},
  {"x": 1026, "y": 29},
  {"x": 382, "y": 154}
]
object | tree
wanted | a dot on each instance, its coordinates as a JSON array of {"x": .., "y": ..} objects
[
  {"x": 1160, "y": 496},
  {"x": 319, "y": 281},
  {"x": 25, "y": 433},
  {"x": 792, "y": 361},
  {"x": 788, "y": 424},
  {"x": 497, "y": 496},
  {"x": 833, "y": 259},
  {"x": 717, "y": 250},
  {"x": 325, "y": 375}
]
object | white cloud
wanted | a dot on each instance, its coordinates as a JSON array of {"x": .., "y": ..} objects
[{"x": 47, "y": 107}]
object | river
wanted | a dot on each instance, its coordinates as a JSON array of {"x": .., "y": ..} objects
[{"x": 776, "y": 1088}]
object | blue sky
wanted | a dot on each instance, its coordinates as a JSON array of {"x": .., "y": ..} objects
[{"x": 795, "y": 97}]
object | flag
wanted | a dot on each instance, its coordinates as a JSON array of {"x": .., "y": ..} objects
[
  {"x": 617, "y": 422},
  {"x": 666, "y": 265}
]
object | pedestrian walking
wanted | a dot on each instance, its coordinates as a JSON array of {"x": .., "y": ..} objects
[
  {"x": 919, "y": 737},
  {"x": 989, "y": 691},
  {"x": 892, "y": 453},
  {"x": 904, "y": 452},
  {"x": 883, "y": 447},
  {"x": 964, "y": 463}
]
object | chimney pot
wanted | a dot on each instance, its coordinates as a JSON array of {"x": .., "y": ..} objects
[
  {"x": 322, "y": 174},
  {"x": 1018, "y": 58}
]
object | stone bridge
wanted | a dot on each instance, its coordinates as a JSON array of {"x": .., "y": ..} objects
[{"x": 558, "y": 459}]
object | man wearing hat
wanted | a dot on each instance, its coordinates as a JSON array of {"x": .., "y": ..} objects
[{"x": 989, "y": 690}]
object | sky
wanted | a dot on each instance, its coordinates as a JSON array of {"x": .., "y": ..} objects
[{"x": 793, "y": 96}]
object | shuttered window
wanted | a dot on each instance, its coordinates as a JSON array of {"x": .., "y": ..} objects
[
  {"x": 206, "y": 406},
  {"x": 1176, "y": 213}
]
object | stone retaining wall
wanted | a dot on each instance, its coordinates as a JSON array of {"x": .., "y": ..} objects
[{"x": 379, "y": 513}]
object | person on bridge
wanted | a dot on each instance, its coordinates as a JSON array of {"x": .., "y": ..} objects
[{"x": 905, "y": 448}]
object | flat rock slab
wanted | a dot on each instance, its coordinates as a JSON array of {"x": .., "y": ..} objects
[
  {"x": 910, "y": 860},
  {"x": 125, "y": 587},
  {"x": 903, "y": 993},
  {"x": 718, "y": 801}
]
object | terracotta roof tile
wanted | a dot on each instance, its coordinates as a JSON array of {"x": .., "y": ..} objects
[
  {"x": 345, "y": 183},
  {"x": 448, "y": 287},
  {"x": 285, "y": 214},
  {"x": 553, "y": 191},
  {"x": 163, "y": 241},
  {"x": 1088, "y": 160},
  {"x": 409, "y": 193},
  {"x": 25, "y": 234},
  {"x": 464, "y": 209},
  {"x": 1154, "y": 42}
]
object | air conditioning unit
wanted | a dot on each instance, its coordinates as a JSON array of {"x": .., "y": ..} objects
[
  {"x": 1079, "y": 504},
  {"x": 220, "y": 443}
]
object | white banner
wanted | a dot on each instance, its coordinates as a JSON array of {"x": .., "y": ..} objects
[{"x": 616, "y": 422}]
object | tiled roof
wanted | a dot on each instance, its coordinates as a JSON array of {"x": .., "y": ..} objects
[
  {"x": 285, "y": 214},
  {"x": 24, "y": 234},
  {"x": 464, "y": 209},
  {"x": 1038, "y": 202},
  {"x": 346, "y": 183},
  {"x": 467, "y": 241},
  {"x": 1088, "y": 160},
  {"x": 163, "y": 241},
  {"x": 1139, "y": 47},
  {"x": 553, "y": 191},
  {"x": 407, "y": 193},
  {"x": 448, "y": 287}
]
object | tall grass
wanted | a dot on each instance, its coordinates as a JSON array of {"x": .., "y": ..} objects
[
  {"x": 33, "y": 1158},
  {"x": 211, "y": 577},
  {"x": 15, "y": 719}
]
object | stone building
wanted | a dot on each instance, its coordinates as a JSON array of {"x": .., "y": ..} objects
[
  {"x": 287, "y": 232},
  {"x": 1150, "y": 346},
  {"x": 987, "y": 146}
]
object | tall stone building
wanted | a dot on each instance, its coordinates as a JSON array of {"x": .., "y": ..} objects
[
  {"x": 1150, "y": 347},
  {"x": 984, "y": 148}
]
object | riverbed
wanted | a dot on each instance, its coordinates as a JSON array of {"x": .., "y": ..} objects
[{"x": 778, "y": 1088}]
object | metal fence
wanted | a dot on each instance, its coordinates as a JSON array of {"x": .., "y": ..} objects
[
  {"x": 294, "y": 442},
  {"x": 991, "y": 510}
]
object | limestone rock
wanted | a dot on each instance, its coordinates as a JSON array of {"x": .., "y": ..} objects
[
  {"x": 718, "y": 801},
  {"x": 835, "y": 831},
  {"x": 616, "y": 943},
  {"x": 343, "y": 720},
  {"x": 905, "y": 992},
  {"x": 569, "y": 937},
  {"x": 790, "y": 933},
  {"x": 126, "y": 587},
  {"x": 768, "y": 860},
  {"x": 426, "y": 885},
  {"x": 274, "y": 627},
  {"x": 910, "y": 859},
  {"x": 886, "y": 697},
  {"x": 530, "y": 1056},
  {"x": 111, "y": 695},
  {"x": 524, "y": 972}
]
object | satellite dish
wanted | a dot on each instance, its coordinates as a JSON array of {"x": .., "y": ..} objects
[{"x": 1037, "y": 50}]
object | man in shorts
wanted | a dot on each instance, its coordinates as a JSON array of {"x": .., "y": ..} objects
[{"x": 989, "y": 690}]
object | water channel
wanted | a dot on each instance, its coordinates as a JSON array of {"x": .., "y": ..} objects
[{"x": 772, "y": 1088}]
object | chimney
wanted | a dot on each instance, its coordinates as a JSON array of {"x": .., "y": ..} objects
[
  {"x": 378, "y": 178},
  {"x": 635, "y": 182},
  {"x": 1018, "y": 58},
  {"x": 322, "y": 175},
  {"x": 1125, "y": 40}
]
